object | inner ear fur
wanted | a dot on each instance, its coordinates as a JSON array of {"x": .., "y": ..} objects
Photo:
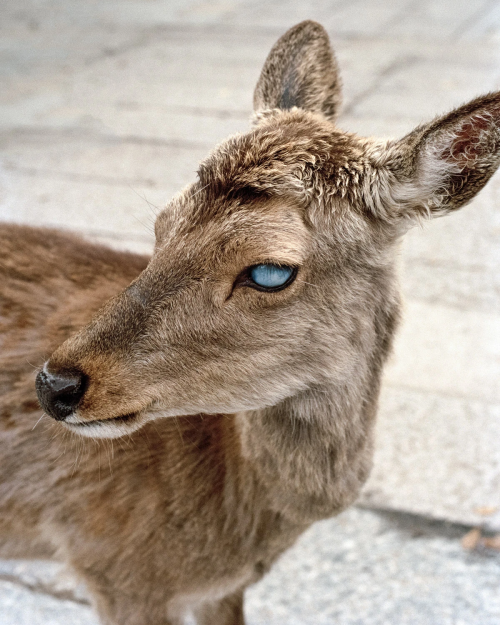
[
  {"x": 301, "y": 70},
  {"x": 441, "y": 166}
]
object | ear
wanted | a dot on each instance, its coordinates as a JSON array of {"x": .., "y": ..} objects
[
  {"x": 301, "y": 71},
  {"x": 441, "y": 166}
]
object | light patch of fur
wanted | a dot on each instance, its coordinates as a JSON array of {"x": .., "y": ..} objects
[
  {"x": 182, "y": 609},
  {"x": 102, "y": 429}
]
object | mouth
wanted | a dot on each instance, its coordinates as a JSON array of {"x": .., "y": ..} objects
[
  {"x": 105, "y": 428},
  {"x": 123, "y": 419}
]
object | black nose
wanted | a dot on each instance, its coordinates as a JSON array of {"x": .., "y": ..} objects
[{"x": 60, "y": 393}]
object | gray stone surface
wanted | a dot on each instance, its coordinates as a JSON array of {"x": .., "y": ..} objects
[
  {"x": 367, "y": 568},
  {"x": 20, "y": 606},
  {"x": 107, "y": 107},
  {"x": 41, "y": 593},
  {"x": 437, "y": 455},
  {"x": 461, "y": 351}
]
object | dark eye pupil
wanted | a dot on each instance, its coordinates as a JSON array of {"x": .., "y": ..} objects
[{"x": 270, "y": 276}]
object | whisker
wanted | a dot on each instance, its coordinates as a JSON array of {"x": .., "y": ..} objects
[
  {"x": 44, "y": 414},
  {"x": 110, "y": 448},
  {"x": 32, "y": 365},
  {"x": 143, "y": 197},
  {"x": 150, "y": 229},
  {"x": 177, "y": 425},
  {"x": 199, "y": 191},
  {"x": 309, "y": 283}
]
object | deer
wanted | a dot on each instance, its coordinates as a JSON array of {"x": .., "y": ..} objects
[{"x": 237, "y": 369}]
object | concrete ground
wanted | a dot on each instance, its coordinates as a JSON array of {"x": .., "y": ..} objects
[{"x": 106, "y": 107}]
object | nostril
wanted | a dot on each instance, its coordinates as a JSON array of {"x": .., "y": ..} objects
[{"x": 60, "y": 393}]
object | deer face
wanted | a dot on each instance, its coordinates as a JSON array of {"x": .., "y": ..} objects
[
  {"x": 273, "y": 273},
  {"x": 241, "y": 306}
]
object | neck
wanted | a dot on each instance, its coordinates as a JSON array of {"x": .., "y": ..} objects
[{"x": 313, "y": 451}]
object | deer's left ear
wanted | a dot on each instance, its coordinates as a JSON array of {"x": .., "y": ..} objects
[
  {"x": 300, "y": 71},
  {"x": 441, "y": 166}
]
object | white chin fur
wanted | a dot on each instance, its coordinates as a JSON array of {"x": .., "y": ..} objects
[{"x": 103, "y": 429}]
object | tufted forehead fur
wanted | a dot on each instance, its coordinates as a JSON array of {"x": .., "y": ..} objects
[
  {"x": 294, "y": 159},
  {"x": 295, "y": 154}
]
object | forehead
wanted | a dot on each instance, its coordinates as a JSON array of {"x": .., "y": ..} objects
[
  {"x": 259, "y": 185},
  {"x": 263, "y": 227}
]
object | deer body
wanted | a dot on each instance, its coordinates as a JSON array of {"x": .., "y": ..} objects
[
  {"x": 203, "y": 485},
  {"x": 243, "y": 409}
]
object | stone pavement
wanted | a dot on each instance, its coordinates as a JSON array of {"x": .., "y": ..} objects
[{"x": 105, "y": 109}]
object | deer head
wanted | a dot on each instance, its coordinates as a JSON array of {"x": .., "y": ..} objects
[{"x": 273, "y": 273}]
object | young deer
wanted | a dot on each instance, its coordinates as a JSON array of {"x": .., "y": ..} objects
[{"x": 242, "y": 361}]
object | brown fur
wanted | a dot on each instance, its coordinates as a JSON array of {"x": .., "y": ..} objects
[{"x": 249, "y": 414}]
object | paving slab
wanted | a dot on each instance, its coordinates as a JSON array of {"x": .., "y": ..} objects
[
  {"x": 485, "y": 27},
  {"x": 446, "y": 18},
  {"x": 19, "y": 606},
  {"x": 44, "y": 41},
  {"x": 38, "y": 592},
  {"x": 83, "y": 205},
  {"x": 92, "y": 156},
  {"x": 371, "y": 568},
  {"x": 436, "y": 454},
  {"x": 469, "y": 237},
  {"x": 453, "y": 352},
  {"x": 360, "y": 17},
  {"x": 453, "y": 284},
  {"x": 420, "y": 88}
]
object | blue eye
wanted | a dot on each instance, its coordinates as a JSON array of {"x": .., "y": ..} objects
[{"x": 271, "y": 277}]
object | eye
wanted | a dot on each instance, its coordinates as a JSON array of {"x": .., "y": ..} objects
[{"x": 270, "y": 277}]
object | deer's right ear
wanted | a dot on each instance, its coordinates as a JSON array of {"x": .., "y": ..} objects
[
  {"x": 438, "y": 167},
  {"x": 301, "y": 70}
]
